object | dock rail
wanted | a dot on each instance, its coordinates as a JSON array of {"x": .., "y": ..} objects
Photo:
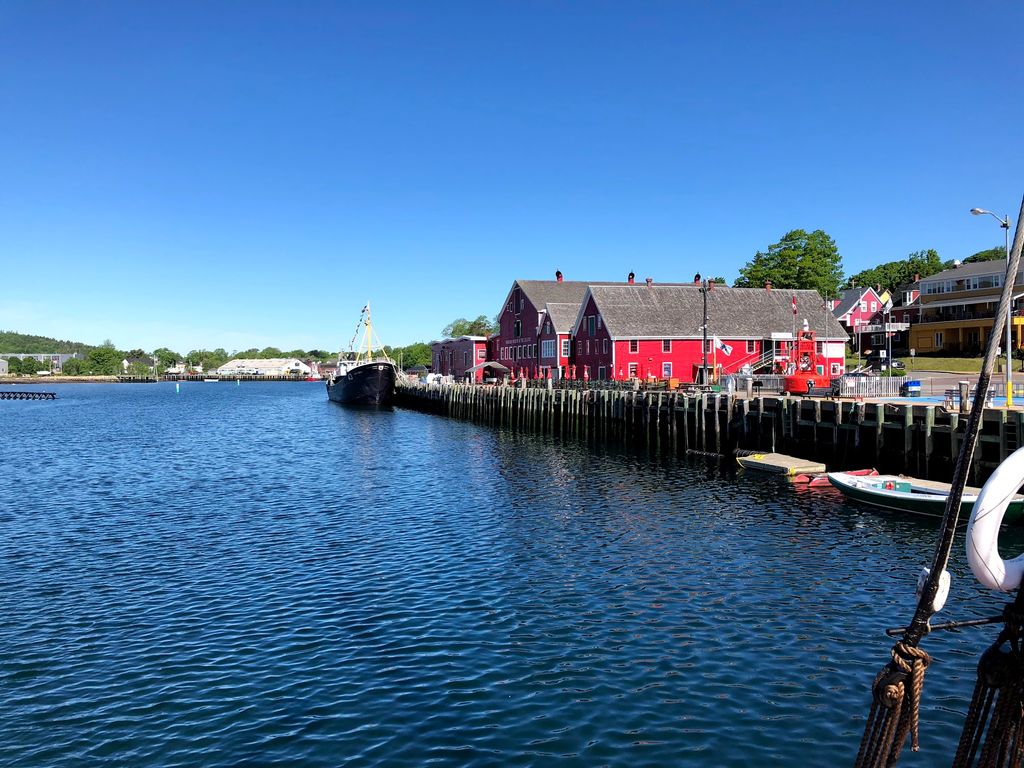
[{"x": 27, "y": 395}]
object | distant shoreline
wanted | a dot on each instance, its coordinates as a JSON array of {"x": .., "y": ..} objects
[{"x": 43, "y": 380}]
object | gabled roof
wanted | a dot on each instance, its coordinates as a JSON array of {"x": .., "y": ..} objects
[
  {"x": 562, "y": 315},
  {"x": 677, "y": 311},
  {"x": 849, "y": 299},
  {"x": 541, "y": 292}
]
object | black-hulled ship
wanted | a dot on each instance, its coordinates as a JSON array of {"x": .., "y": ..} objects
[{"x": 366, "y": 376}]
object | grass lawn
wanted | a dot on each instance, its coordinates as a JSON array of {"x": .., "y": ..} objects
[{"x": 953, "y": 364}]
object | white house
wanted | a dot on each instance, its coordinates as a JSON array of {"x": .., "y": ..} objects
[{"x": 277, "y": 366}]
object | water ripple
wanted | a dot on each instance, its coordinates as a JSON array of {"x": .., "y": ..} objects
[{"x": 254, "y": 576}]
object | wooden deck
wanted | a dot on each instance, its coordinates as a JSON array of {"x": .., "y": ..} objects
[{"x": 780, "y": 464}]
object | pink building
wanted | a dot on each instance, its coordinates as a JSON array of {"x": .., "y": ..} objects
[{"x": 456, "y": 357}]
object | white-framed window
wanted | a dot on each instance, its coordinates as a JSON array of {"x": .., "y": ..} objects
[
  {"x": 565, "y": 347},
  {"x": 751, "y": 346},
  {"x": 666, "y": 370},
  {"x": 666, "y": 345},
  {"x": 835, "y": 369},
  {"x": 481, "y": 354},
  {"x": 863, "y": 305},
  {"x": 709, "y": 346},
  {"x": 634, "y": 345},
  {"x": 579, "y": 347},
  {"x": 632, "y": 370},
  {"x": 591, "y": 325},
  {"x": 547, "y": 348},
  {"x": 938, "y": 339},
  {"x": 874, "y": 306}
]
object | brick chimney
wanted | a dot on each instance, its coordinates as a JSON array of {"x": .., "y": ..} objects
[
  {"x": 917, "y": 276},
  {"x": 650, "y": 282},
  {"x": 767, "y": 285},
  {"x": 558, "y": 275},
  {"x": 711, "y": 285},
  {"x": 631, "y": 278}
]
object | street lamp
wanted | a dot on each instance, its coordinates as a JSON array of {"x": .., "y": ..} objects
[
  {"x": 1005, "y": 224},
  {"x": 704, "y": 292}
]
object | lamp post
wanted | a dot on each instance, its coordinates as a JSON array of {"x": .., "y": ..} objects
[
  {"x": 704, "y": 292},
  {"x": 1005, "y": 224}
]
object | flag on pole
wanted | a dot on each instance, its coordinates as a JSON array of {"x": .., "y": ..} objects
[
  {"x": 719, "y": 344},
  {"x": 794, "y": 305},
  {"x": 887, "y": 307}
]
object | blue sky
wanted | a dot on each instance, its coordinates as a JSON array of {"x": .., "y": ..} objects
[{"x": 236, "y": 174}]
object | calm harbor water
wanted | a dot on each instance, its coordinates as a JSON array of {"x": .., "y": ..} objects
[{"x": 255, "y": 576}]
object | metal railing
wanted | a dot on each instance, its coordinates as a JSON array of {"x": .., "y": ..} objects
[{"x": 872, "y": 386}]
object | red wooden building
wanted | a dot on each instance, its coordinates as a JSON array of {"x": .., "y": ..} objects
[
  {"x": 454, "y": 357},
  {"x": 535, "y": 323},
  {"x": 626, "y": 331}
]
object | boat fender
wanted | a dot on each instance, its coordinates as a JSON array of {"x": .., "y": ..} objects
[
  {"x": 940, "y": 594},
  {"x": 983, "y": 528}
]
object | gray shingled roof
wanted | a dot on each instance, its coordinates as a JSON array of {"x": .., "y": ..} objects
[
  {"x": 563, "y": 315},
  {"x": 848, "y": 300},
  {"x": 675, "y": 311},
  {"x": 970, "y": 270},
  {"x": 541, "y": 292}
]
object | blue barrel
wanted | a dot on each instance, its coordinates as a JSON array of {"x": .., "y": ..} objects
[{"x": 913, "y": 388}]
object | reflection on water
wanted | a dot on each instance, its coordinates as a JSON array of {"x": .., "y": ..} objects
[{"x": 253, "y": 575}]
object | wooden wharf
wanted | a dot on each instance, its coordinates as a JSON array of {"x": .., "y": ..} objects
[
  {"x": 920, "y": 440},
  {"x": 27, "y": 395}
]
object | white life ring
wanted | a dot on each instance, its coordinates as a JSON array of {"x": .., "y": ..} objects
[{"x": 983, "y": 529}]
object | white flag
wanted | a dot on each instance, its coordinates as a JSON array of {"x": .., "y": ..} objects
[{"x": 719, "y": 344}]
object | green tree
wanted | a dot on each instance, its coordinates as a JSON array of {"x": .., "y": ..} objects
[
  {"x": 26, "y": 366},
  {"x": 412, "y": 355},
  {"x": 481, "y": 326},
  {"x": 166, "y": 357},
  {"x": 799, "y": 260},
  {"x": 105, "y": 359},
  {"x": 269, "y": 352},
  {"x": 141, "y": 370},
  {"x": 895, "y": 273},
  {"x": 991, "y": 254},
  {"x": 74, "y": 367}
]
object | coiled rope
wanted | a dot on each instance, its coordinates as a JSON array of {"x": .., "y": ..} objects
[
  {"x": 896, "y": 691},
  {"x": 991, "y": 737}
]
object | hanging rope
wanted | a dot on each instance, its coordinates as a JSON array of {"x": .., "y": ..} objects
[
  {"x": 896, "y": 691},
  {"x": 991, "y": 737}
]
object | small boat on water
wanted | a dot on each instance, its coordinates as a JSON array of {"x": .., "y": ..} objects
[
  {"x": 367, "y": 376},
  {"x": 820, "y": 480},
  {"x": 909, "y": 494}
]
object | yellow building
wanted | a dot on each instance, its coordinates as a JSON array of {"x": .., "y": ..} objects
[{"x": 958, "y": 305}]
